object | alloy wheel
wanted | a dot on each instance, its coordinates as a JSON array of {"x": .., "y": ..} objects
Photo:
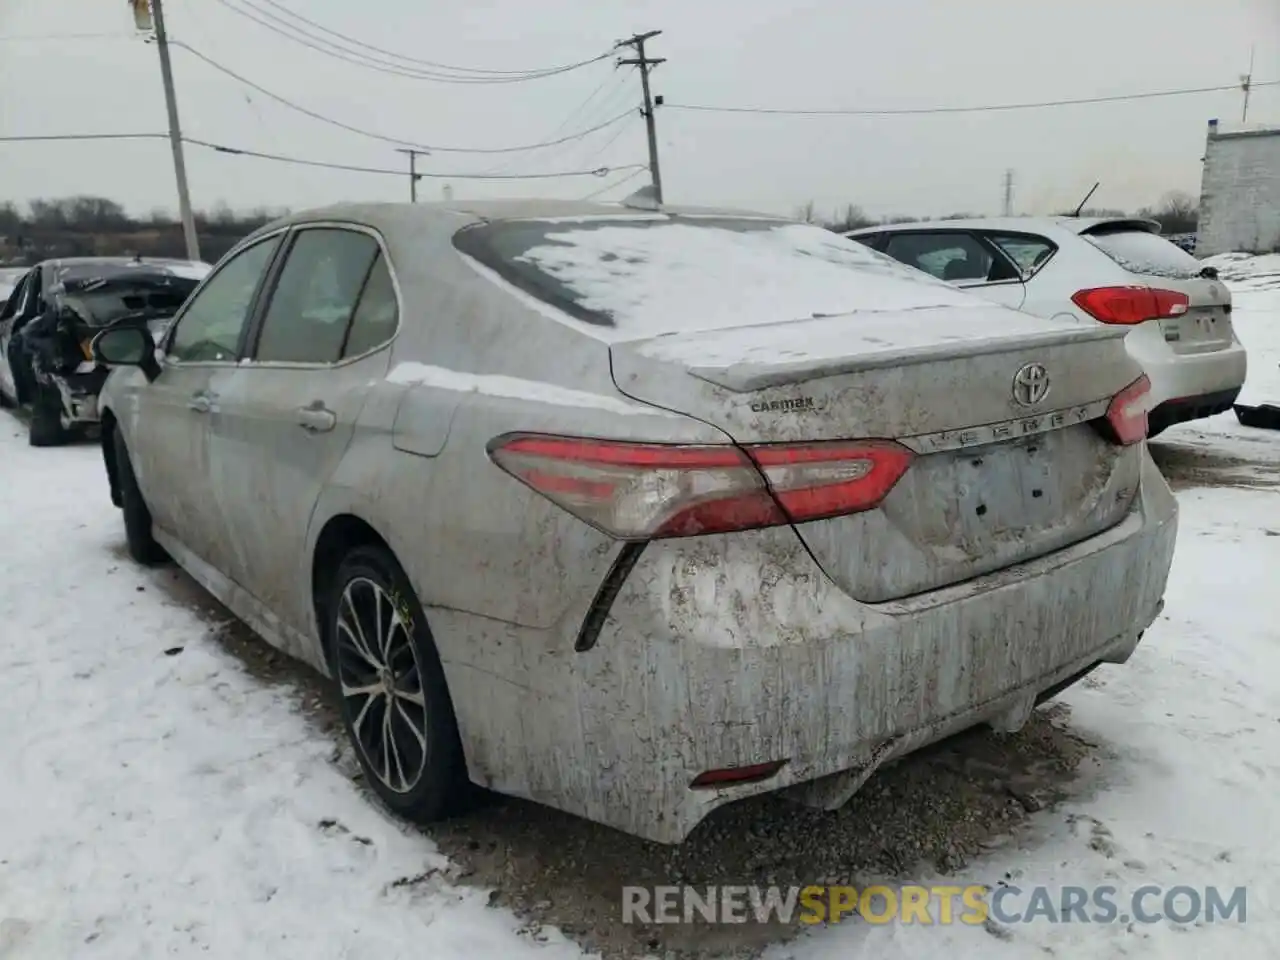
[{"x": 381, "y": 683}]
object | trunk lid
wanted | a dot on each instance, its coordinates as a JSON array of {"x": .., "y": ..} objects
[
  {"x": 1154, "y": 261},
  {"x": 780, "y": 332},
  {"x": 998, "y": 478}
]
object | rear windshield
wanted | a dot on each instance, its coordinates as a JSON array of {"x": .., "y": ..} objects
[
  {"x": 99, "y": 308},
  {"x": 641, "y": 277},
  {"x": 1146, "y": 253}
]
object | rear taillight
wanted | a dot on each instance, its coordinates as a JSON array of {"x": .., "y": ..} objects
[
  {"x": 1127, "y": 414},
  {"x": 643, "y": 491},
  {"x": 1131, "y": 305}
]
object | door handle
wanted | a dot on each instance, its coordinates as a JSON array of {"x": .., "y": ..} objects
[
  {"x": 200, "y": 402},
  {"x": 316, "y": 418}
]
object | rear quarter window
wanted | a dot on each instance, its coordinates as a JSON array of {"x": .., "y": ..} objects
[{"x": 1146, "y": 254}]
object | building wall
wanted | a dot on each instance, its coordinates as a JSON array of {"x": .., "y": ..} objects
[{"x": 1240, "y": 191}]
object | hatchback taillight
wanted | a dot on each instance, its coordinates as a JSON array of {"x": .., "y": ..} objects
[
  {"x": 644, "y": 491},
  {"x": 1128, "y": 306},
  {"x": 1127, "y": 414}
]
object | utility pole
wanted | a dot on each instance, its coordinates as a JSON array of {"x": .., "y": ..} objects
[
  {"x": 1008, "y": 193},
  {"x": 175, "y": 134},
  {"x": 1246, "y": 84},
  {"x": 646, "y": 64},
  {"x": 413, "y": 170}
]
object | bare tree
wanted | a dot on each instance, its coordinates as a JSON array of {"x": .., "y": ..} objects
[
  {"x": 84, "y": 225},
  {"x": 852, "y": 218},
  {"x": 1177, "y": 212},
  {"x": 806, "y": 213}
]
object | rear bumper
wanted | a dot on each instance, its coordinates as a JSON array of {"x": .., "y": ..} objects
[
  {"x": 732, "y": 651},
  {"x": 1177, "y": 376},
  {"x": 1183, "y": 409}
]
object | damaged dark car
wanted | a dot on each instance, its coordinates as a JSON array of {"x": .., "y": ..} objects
[{"x": 53, "y": 314}]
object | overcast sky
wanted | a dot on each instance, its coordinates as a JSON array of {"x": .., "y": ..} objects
[{"x": 805, "y": 54}]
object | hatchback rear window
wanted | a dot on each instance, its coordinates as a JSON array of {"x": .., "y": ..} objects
[
  {"x": 1145, "y": 253},
  {"x": 644, "y": 276}
]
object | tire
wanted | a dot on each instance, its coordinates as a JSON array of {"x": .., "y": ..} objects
[
  {"x": 424, "y": 777},
  {"x": 45, "y": 429},
  {"x": 137, "y": 518}
]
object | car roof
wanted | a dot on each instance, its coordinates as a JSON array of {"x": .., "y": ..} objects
[
  {"x": 1076, "y": 225},
  {"x": 113, "y": 261},
  {"x": 406, "y": 214}
]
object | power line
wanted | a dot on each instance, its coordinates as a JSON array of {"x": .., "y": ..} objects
[
  {"x": 617, "y": 183},
  {"x": 602, "y": 108},
  {"x": 396, "y": 141},
  {"x": 56, "y": 137},
  {"x": 618, "y": 94},
  {"x": 610, "y": 142},
  {"x": 18, "y": 38},
  {"x": 548, "y": 71},
  {"x": 324, "y": 164},
  {"x": 598, "y": 172},
  {"x": 302, "y": 37},
  {"x": 573, "y": 114},
  {"x": 988, "y": 108}
]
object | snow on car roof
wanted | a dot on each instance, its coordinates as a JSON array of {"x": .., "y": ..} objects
[{"x": 650, "y": 278}]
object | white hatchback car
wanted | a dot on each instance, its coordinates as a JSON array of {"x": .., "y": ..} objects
[{"x": 1112, "y": 271}]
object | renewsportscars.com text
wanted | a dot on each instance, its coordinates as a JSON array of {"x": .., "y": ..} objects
[{"x": 943, "y": 905}]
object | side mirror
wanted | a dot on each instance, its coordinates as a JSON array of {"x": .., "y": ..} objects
[{"x": 127, "y": 347}]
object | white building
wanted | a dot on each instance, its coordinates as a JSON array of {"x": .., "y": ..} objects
[{"x": 1240, "y": 190}]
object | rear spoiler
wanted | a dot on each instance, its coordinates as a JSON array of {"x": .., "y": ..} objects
[
  {"x": 748, "y": 377},
  {"x": 1116, "y": 224}
]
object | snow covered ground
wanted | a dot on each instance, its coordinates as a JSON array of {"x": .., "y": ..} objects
[
  {"x": 158, "y": 800},
  {"x": 155, "y": 800}
]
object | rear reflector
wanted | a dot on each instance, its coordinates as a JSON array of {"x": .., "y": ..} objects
[
  {"x": 1127, "y": 306},
  {"x": 735, "y": 776},
  {"x": 645, "y": 491},
  {"x": 1127, "y": 414}
]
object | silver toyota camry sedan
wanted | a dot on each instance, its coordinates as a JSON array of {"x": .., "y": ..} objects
[{"x": 638, "y": 512}]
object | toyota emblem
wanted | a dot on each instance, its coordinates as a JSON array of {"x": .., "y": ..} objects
[{"x": 1030, "y": 384}]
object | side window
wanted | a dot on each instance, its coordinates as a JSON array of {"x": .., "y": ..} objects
[
  {"x": 10, "y": 306},
  {"x": 211, "y": 326},
  {"x": 873, "y": 240},
  {"x": 315, "y": 296},
  {"x": 951, "y": 256},
  {"x": 1028, "y": 252},
  {"x": 376, "y": 315},
  {"x": 31, "y": 304}
]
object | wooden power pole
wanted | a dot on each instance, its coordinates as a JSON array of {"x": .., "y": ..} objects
[
  {"x": 413, "y": 171},
  {"x": 175, "y": 130},
  {"x": 646, "y": 63}
]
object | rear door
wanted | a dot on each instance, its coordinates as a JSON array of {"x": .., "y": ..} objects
[
  {"x": 963, "y": 258},
  {"x": 1152, "y": 260},
  {"x": 289, "y": 413}
]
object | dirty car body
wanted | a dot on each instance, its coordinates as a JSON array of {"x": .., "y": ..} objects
[{"x": 697, "y": 505}]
